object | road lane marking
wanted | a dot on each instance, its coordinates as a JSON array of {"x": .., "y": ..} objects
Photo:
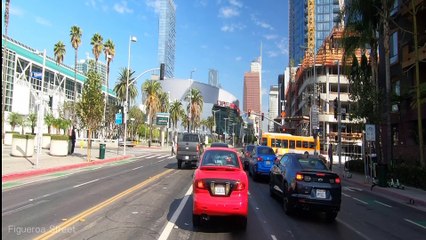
[
  {"x": 273, "y": 237},
  {"x": 346, "y": 195},
  {"x": 353, "y": 229},
  {"x": 170, "y": 224},
  {"x": 417, "y": 224},
  {"x": 79, "y": 185},
  {"x": 359, "y": 200},
  {"x": 59, "y": 228},
  {"x": 349, "y": 189},
  {"x": 384, "y": 204},
  {"x": 137, "y": 168}
]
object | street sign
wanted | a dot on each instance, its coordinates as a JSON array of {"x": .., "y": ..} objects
[
  {"x": 314, "y": 115},
  {"x": 118, "y": 118},
  {"x": 162, "y": 119},
  {"x": 370, "y": 132},
  {"x": 37, "y": 75}
]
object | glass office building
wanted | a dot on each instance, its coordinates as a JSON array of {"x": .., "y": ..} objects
[{"x": 167, "y": 36}]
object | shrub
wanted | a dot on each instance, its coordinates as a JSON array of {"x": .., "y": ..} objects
[
  {"x": 59, "y": 137},
  {"x": 23, "y": 136}
]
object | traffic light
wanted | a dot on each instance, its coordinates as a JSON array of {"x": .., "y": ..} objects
[
  {"x": 262, "y": 116},
  {"x": 248, "y": 113},
  {"x": 335, "y": 108},
  {"x": 162, "y": 69}
]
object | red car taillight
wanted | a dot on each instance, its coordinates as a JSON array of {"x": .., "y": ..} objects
[
  {"x": 337, "y": 180},
  {"x": 300, "y": 177},
  {"x": 200, "y": 184},
  {"x": 239, "y": 186},
  {"x": 259, "y": 159}
]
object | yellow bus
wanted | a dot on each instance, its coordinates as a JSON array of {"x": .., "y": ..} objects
[{"x": 283, "y": 143}]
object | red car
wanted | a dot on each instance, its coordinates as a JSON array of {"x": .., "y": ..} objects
[{"x": 220, "y": 187}]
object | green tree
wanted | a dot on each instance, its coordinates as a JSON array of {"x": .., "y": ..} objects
[
  {"x": 152, "y": 90},
  {"x": 195, "y": 108},
  {"x": 109, "y": 51},
  {"x": 32, "y": 121},
  {"x": 49, "y": 121},
  {"x": 176, "y": 113},
  {"x": 138, "y": 116},
  {"x": 59, "y": 52},
  {"x": 90, "y": 107},
  {"x": 120, "y": 85},
  {"x": 97, "y": 46},
  {"x": 75, "y": 35},
  {"x": 14, "y": 120}
]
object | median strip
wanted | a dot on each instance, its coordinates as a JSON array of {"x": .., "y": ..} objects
[{"x": 98, "y": 207}]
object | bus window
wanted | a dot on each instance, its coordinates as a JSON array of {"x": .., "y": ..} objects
[
  {"x": 276, "y": 143},
  {"x": 264, "y": 142},
  {"x": 305, "y": 144},
  {"x": 292, "y": 144},
  {"x": 284, "y": 143},
  {"x": 298, "y": 144},
  {"x": 311, "y": 145}
]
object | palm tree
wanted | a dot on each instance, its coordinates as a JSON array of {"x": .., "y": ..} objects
[
  {"x": 75, "y": 35},
  {"x": 49, "y": 120},
  {"x": 109, "y": 51},
  {"x": 97, "y": 46},
  {"x": 176, "y": 113},
  {"x": 14, "y": 120},
  {"x": 59, "y": 52},
  {"x": 164, "y": 99},
  {"x": 32, "y": 121},
  {"x": 152, "y": 90},
  {"x": 195, "y": 108},
  {"x": 120, "y": 85}
]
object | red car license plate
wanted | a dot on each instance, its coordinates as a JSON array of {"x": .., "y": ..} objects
[{"x": 219, "y": 190}]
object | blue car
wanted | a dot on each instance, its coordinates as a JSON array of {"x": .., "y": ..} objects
[{"x": 262, "y": 158}]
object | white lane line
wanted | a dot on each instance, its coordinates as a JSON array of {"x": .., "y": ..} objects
[
  {"x": 137, "y": 167},
  {"x": 349, "y": 189},
  {"x": 353, "y": 229},
  {"x": 170, "y": 224},
  {"x": 359, "y": 200},
  {"x": 161, "y": 160},
  {"x": 152, "y": 156},
  {"x": 79, "y": 185},
  {"x": 346, "y": 195},
  {"x": 273, "y": 237},
  {"x": 384, "y": 204},
  {"x": 408, "y": 220}
]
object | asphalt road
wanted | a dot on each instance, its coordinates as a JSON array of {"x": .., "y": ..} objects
[{"x": 149, "y": 198}]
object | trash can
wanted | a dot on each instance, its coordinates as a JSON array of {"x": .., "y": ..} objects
[
  {"x": 102, "y": 147},
  {"x": 382, "y": 174}
]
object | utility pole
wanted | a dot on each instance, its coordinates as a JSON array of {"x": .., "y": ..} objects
[{"x": 339, "y": 117}]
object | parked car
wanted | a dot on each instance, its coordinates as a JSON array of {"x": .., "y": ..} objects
[
  {"x": 304, "y": 182},
  {"x": 246, "y": 154},
  {"x": 219, "y": 144},
  {"x": 261, "y": 160},
  {"x": 220, "y": 187}
]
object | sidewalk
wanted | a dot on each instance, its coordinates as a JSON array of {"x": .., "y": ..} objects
[
  {"x": 410, "y": 196},
  {"x": 21, "y": 167}
]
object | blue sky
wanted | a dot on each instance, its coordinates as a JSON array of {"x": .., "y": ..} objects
[{"x": 225, "y": 35}]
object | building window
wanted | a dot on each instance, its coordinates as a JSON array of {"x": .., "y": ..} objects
[{"x": 393, "y": 48}]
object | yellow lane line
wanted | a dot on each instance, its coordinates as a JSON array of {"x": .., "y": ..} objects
[{"x": 92, "y": 210}]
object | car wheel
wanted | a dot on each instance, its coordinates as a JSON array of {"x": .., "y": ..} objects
[
  {"x": 179, "y": 164},
  {"x": 287, "y": 206},
  {"x": 330, "y": 216},
  {"x": 196, "y": 220}
]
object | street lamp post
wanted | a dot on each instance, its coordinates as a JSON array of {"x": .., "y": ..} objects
[
  {"x": 339, "y": 117},
  {"x": 225, "y": 128},
  {"x": 233, "y": 134},
  {"x": 40, "y": 113},
  {"x": 126, "y": 104}
]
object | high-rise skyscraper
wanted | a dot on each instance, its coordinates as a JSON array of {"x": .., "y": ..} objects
[
  {"x": 213, "y": 79},
  {"x": 167, "y": 36},
  {"x": 310, "y": 22},
  {"x": 84, "y": 65},
  {"x": 252, "y": 89}
]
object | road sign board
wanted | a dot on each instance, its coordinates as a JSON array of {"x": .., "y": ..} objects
[
  {"x": 118, "y": 118},
  {"x": 162, "y": 121},
  {"x": 314, "y": 116},
  {"x": 370, "y": 132}
]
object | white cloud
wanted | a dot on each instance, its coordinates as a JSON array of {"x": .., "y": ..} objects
[
  {"x": 271, "y": 36},
  {"x": 261, "y": 23},
  {"x": 155, "y": 4},
  {"x": 282, "y": 45},
  {"x": 239, "y": 58},
  {"x": 228, "y": 12},
  {"x": 15, "y": 11},
  {"x": 122, "y": 7},
  {"x": 43, "y": 21},
  {"x": 231, "y": 27},
  {"x": 236, "y": 3},
  {"x": 272, "y": 54},
  {"x": 204, "y": 46}
]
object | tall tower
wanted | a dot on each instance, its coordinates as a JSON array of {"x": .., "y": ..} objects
[
  {"x": 167, "y": 36},
  {"x": 213, "y": 77},
  {"x": 252, "y": 93},
  {"x": 310, "y": 22}
]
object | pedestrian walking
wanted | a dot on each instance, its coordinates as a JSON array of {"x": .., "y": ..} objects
[
  {"x": 173, "y": 147},
  {"x": 330, "y": 155},
  {"x": 73, "y": 138}
]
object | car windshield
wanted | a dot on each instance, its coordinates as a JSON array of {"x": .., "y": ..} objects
[
  {"x": 266, "y": 151},
  {"x": 220, "y": 158},
  {"x": 249, "y": 148},
  {"x": 219, "y": 145},
  {"x": 312, "y": 163}
]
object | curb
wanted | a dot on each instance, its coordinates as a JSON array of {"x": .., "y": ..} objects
[
  {"x": 37, "y": 172},
  {"x": 379, "y": 190}
]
